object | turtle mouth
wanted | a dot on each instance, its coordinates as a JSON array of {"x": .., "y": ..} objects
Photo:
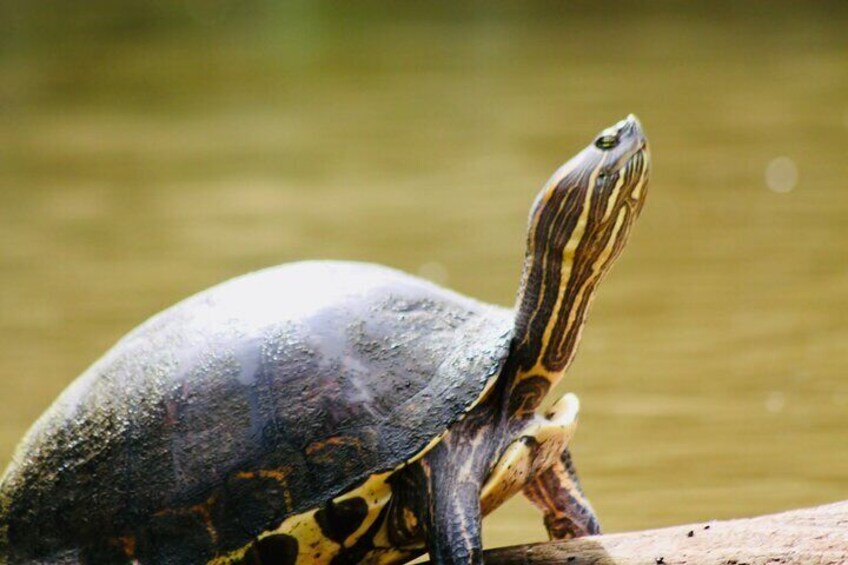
[{"x": 633, "y": 127}]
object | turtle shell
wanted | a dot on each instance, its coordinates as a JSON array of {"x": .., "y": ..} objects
[{"x": 255, "y": 400}]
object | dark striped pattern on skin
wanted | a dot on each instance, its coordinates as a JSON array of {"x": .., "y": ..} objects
[
  {"x": 578, "y": 228},
  {"x": 558, "y": 494},
  {"x": 553, "y": 224},
  {"x": 599, "y": 238}
]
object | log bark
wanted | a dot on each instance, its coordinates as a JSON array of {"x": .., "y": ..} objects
[{"x": 812, "y": 536}]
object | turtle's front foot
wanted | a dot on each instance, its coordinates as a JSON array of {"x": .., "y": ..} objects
[{"x": 556, "y": 491}]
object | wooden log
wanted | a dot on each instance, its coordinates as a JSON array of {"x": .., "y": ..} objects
[{"x": 812, "y": 536}]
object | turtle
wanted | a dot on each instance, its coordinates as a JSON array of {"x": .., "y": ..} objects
[{"x": 332, "y": 412}]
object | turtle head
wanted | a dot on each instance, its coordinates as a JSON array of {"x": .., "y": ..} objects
[
  {"x": 579, "y": 224},
  {"x": 609, "y": 175}
]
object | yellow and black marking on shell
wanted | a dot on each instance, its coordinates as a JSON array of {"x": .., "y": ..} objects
[{"x": 356, "y": 527}]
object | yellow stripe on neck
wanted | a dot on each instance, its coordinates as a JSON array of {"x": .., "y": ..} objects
[{"x": 567, "y": 265}]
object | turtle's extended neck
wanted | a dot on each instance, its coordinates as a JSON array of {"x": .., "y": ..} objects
[{"x": 579, "y": 225}]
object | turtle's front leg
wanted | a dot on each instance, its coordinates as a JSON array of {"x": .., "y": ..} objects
[
  {"x": 454, "y": 517},
  {"x": 455, "y": 470},
  {"x": 557, "y": 493}
]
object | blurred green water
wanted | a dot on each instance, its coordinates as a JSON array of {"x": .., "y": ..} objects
[{"x": 149, "y": 150}]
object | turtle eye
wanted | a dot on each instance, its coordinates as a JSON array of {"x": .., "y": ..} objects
[{"x": 606, "y": 142}]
